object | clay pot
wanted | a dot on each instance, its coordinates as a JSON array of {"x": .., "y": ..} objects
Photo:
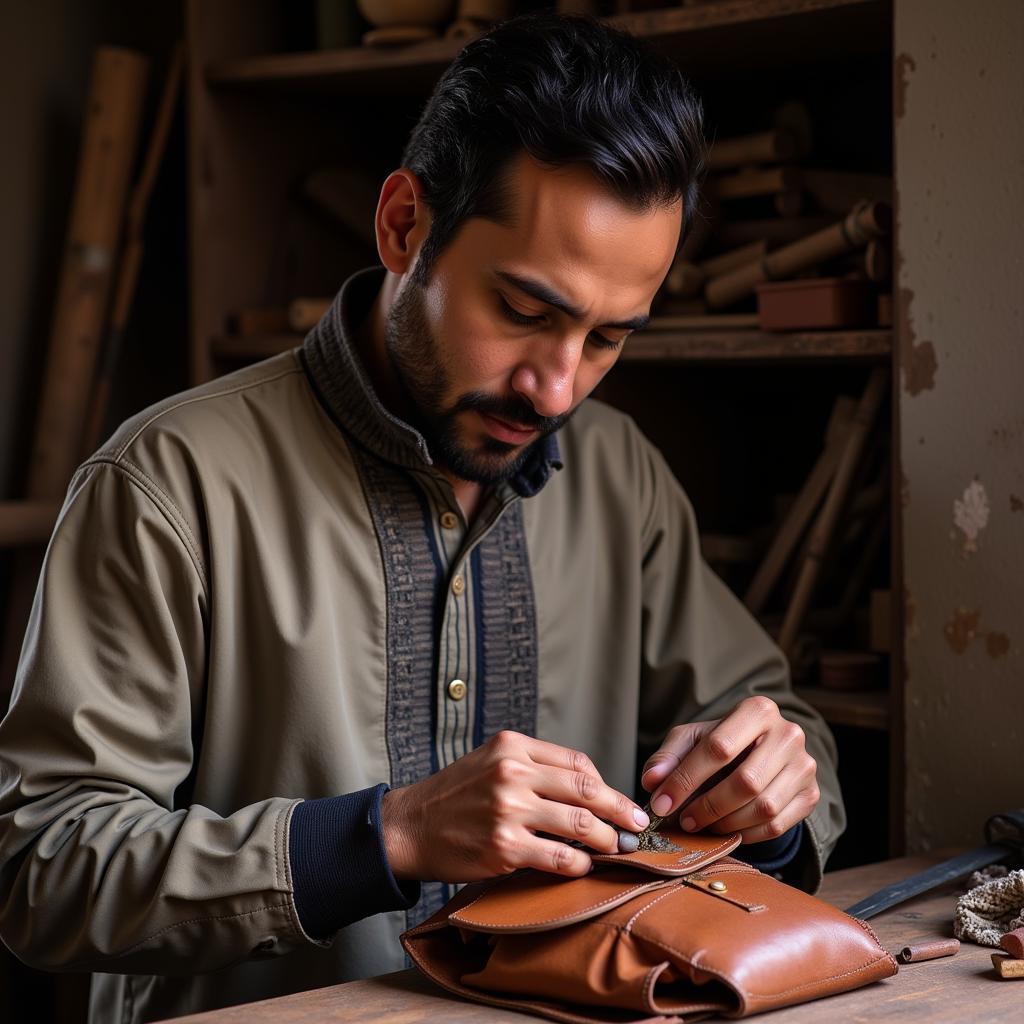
[{"x": 386, "y": 13}]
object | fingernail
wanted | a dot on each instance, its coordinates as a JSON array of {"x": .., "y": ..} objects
[
  {"x": 662, "y": 805},
  {"x": 640, "y": 818},
  {"x": 689, "y": 824},
  {"x": 628, "y": 843}
]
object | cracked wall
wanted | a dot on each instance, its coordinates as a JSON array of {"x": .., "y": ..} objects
[{"x": 959, "y": 145}]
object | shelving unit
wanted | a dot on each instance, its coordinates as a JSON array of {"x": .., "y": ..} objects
[
  {"x": 656, "y": 346},
  {"x": 260, "y": 119}
]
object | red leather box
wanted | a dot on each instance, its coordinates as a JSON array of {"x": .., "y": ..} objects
[{"x": 819, "y": 303}]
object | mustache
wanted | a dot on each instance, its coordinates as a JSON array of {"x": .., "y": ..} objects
[{"x": 512, "y": 410}]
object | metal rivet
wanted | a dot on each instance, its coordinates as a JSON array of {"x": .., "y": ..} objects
[{"x": 718, "y": 886}]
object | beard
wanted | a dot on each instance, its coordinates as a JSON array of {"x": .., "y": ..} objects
[{"x": 416, "y": 357}]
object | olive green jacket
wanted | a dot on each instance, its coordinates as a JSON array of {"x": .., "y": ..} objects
[{"x": 229, "y": 620}]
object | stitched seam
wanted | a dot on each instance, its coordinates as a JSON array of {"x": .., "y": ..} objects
[
  {"x": 293, "y": 913},
  {"x": 175, "y": 511},
  {"x": 628, "y": 927},
  {"x": 174, "y": 518},
  {"x": 623, "y": 896},
  {"x": 202, "y": 398},
  {"x": 635, "y": 858},
  {"x": 871, "y": 932},
  {"x": 747, "y": 994},
  {"x": 197, "y": 920}
]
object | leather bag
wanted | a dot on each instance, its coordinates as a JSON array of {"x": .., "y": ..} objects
[{"x": 678, "y": 932}]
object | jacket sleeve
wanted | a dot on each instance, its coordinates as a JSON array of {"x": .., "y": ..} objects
[
  {"x": 704, "y": 653},
  {"x": 100, "y": 866}
]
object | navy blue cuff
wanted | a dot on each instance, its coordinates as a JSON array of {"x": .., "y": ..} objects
[
  {"x": 773, "y": 854},
  {"x": 340, "y": 871}
]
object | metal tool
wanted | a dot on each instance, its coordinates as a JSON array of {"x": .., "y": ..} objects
[{"x": 1005, "y": 841}]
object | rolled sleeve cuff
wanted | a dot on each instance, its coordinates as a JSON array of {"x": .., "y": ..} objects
[
  {"x": 774, "y": 854},
  {"x": 340, "y": 871}
]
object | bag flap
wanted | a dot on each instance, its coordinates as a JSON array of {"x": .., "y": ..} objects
[
  {"x": 671, "y": 851},
  {"x": 534, "y": 901}
]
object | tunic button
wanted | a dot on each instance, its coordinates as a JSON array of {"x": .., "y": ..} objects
[
  {"x": 718, "y": 886},
  {"x": 449, "y": 520},
  {"x": 458, "y": 585},
  {"x": 456, "y": 689}
]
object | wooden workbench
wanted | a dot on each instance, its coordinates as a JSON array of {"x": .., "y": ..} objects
[{"x": 954, "y": 989}]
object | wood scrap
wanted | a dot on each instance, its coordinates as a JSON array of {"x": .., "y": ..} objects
[
  {"x": 865, "y": 221},
  {"x": 824, "y": 527}
]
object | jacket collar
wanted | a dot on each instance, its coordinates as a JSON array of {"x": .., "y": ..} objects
[{"x": 343, "y": 387}]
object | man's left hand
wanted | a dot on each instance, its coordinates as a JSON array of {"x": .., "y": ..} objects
[{"x": 769, "y": 781}]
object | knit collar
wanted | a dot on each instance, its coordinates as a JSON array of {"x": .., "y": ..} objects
[{"x": 340, "y": 381}]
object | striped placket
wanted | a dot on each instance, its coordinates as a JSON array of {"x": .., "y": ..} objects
[{"x": 461, "y": 622}]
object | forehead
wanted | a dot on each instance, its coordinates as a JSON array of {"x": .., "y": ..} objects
[{"x": 567, "y": 224}]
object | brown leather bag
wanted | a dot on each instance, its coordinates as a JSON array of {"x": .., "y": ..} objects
[{"x": 656, "y": 934}]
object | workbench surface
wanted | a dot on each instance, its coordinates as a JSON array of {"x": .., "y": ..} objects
[{"x": 954, "y": 989}]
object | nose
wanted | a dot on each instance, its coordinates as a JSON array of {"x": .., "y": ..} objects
[{"x": 546, "y": 378}]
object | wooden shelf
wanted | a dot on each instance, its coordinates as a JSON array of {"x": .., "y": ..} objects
[
  {"x": 705, "y": 38},
  {"x": 659, "y": 346},
  {"x": 754, "y": 346},
  {"x": 867, "y": 709}
]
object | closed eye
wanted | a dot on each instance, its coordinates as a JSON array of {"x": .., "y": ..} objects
[{"x": 513, "y": 314}]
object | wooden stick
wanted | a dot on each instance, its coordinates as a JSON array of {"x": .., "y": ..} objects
[
  {"x": 824, "y": 526},
  {"x": 26, "y": 522},
  {"x": 755, "y": 181},
  {"x": 864, "y": 222},
  {"x": 803, "y": 508},
  {"x": 686, "y": 278},
  {"x": 113, "y": 111},
  {"x": 762, "y": 148},
  {"x": 110, "y": 132},
  {"x": 131, "y": 252},
  {"x": 776, "y": 231}
]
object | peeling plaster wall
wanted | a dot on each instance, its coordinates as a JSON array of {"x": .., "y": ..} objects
[{"x": 959, "y": 145}]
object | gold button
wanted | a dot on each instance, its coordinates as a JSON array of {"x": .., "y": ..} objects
[
  {"x": 456, "y": 689},
  {"x": 458, "y": 585},
  {"x": 449, "y": 520},
  {"x": 718, "y": 886}
]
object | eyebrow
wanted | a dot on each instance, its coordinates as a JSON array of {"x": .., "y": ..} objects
[{"x": 543, "y": 293}]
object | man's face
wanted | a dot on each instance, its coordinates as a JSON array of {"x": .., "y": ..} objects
[{"x": 518, "y": 324}]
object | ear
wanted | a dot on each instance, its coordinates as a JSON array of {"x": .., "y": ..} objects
[{"x": 402, "y": 222}]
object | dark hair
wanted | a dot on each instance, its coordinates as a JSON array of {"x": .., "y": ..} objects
[{"x": 567, "y": 89}]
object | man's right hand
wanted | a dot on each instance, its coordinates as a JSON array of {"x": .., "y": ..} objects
[{"x": 481, "y": 816}]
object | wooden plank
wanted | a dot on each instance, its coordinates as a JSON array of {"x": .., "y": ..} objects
[
  {"x": 753, "y": 346},
  {"x": 937, "y": 991},
  {"x": 654, "y": 346},
  {"x": 853, "y": 26}
]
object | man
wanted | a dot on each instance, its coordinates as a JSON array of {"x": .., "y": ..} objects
[{"x": 389, "y": 559}]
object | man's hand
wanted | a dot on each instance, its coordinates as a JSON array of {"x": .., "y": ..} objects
[
  {"x": 770, "y": 787},
  {"x": 481, "y": 816}
]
